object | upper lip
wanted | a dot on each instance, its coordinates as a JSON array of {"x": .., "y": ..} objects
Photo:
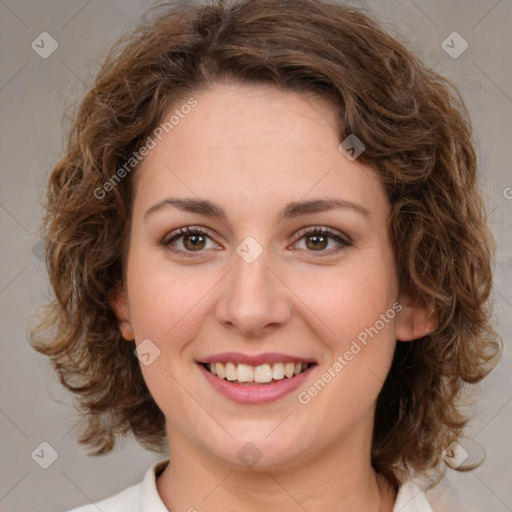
[{"x": 254, "y": 360}]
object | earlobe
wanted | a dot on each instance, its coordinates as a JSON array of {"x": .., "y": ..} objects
[
  {"x": 118, "y": 300},
  {"x": 414, "y": 321}
]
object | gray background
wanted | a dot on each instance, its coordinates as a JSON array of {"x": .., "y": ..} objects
[{"x": 33, "y": 94}]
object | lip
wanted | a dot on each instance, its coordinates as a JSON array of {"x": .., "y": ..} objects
[
  {"x": 256, "y": 394},
  {"x": 254, "y": 360}
]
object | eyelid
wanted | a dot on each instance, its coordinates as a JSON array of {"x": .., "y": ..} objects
[
  {"x": 185, "y": 230},
  {"x": 342, "y": 239},
  {"x": 325, "y": 230}
]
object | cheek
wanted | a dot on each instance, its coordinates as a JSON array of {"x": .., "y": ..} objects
[
  {"x": 161, "y": 294},
  {"x": 352, "y": 297},
  {"x": 357, "y": 305}
]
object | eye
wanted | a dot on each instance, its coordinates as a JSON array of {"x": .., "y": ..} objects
[
  {"x": 317, "y": 239},
  {"x": 193, "y": 240}
]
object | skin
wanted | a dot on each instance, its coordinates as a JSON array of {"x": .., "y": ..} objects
[{"x": 251, "y": 150}]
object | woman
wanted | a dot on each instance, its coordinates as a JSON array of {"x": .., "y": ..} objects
[{"x": 269, "y": 254}]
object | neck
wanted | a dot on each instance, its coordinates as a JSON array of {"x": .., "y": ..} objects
[{"x": 337, "y": 479}]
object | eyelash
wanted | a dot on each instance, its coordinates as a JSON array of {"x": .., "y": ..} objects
[{"x": 193, "y": 230}]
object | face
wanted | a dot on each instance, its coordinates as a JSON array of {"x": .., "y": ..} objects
[{"x": 275, "y": 279}]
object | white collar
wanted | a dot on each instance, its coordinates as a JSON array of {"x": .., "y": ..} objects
[{"x": 410, "y": 498}]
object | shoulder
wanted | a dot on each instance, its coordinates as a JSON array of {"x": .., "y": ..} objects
[{"x": 137, "y": 498}]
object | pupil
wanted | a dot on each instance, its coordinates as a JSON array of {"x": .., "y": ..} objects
[
  {"x": 196, "y": 239},
  {"x": 319, "y": 240}
]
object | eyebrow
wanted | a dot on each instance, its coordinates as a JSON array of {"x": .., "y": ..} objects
[{"x": 290, "y": 210}]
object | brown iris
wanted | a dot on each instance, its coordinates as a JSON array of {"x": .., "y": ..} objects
[
  {"x": 196, "y": 240},
  {"x": 316, "y": 245}
]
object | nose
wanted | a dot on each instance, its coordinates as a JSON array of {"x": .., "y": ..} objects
[{"x": 254, "y": 300}]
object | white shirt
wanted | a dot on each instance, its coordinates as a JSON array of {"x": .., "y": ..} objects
[{"x": 144, "y": 497}]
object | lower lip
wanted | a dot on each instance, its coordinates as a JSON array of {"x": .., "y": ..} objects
[{"x": 254, "y": 393}]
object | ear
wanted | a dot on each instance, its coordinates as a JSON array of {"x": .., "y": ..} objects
[
  {"x": 414, "y": 320},
  {"x": 118, "y": 300}
]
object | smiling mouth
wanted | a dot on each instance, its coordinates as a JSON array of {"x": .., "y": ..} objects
[{"x": 263, "y": 374}]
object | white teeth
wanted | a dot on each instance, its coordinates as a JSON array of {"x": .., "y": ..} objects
[
  {"x": 289, "y": 369},
  {"x": 263, "y": 373},
  {"x": 230, "y": 371},
  {"x": 278, "y": 371},
  {"x": 244, "y": 373},
  {"x": 221, "y": 370}
]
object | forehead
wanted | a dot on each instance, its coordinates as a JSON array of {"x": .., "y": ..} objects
[{"x": 256, "y": 142}]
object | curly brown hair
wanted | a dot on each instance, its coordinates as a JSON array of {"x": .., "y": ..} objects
[{"x": 418, "y": 139}]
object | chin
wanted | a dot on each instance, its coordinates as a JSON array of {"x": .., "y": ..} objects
[{"x": 257, "y": 452}]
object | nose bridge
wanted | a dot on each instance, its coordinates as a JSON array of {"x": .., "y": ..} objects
[{"x": 253, "y": 298}]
